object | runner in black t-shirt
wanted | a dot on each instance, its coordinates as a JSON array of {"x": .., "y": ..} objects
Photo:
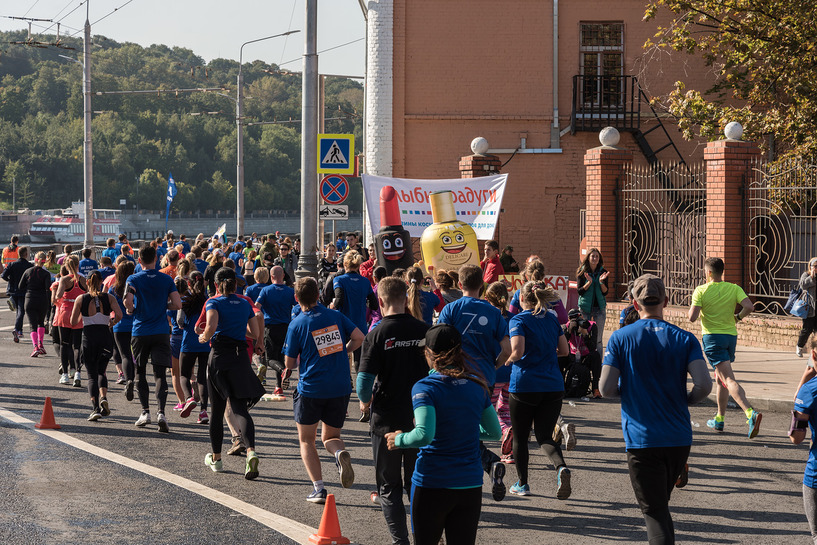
[{"x": 392, "y": 361}]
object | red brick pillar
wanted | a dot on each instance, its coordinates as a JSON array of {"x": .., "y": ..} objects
[
  {"x": 728, "y": 163},
  {"x": 605, "y": 167},
  {"x": 474, "y": 166}
]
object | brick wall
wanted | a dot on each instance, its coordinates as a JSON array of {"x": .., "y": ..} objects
[{"x": 770, "y": 332}]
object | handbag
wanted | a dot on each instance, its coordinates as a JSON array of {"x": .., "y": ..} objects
[
  {"x": 794, "y": 295},
  {"x": 800, "y": 308}
]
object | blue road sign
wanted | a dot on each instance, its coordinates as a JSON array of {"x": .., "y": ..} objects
[
  {"x": 336, "y": 153},
  {"x": 334, "y": 189}
]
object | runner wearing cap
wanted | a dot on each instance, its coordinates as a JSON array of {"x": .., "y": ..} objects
[
  {"x": 452, "y": 414},
  {"x": 652, "y": 358},
  {"x": 715, "y": 303},
  {"x": 319, "y": 336}
]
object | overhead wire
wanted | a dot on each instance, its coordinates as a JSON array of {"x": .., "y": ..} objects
[
  {"x": 32, "y": 7},
  {"x": 325, "y": 50},
  {"x": 291, "y": 16},
  {"x": 64, "y": 16}
]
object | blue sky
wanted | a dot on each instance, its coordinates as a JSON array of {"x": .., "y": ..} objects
[{"x": 211, "y": 28}]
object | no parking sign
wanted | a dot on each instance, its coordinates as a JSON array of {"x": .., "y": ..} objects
[{"x": 334, "y": 189}]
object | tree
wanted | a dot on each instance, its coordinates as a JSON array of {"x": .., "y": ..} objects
[{"x": 764, "y": 59}]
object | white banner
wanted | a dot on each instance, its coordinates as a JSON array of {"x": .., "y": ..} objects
[{"x": 477, "y": 201}]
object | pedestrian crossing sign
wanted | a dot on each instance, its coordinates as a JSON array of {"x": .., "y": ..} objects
[{"x": 336, "y": 153}]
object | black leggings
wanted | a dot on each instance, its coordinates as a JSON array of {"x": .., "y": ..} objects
[
  {"x": 157, "y": 348},
  {"x": 240, "y": 412},
  {"x": 122, "y": 339},
  {"x": 37, "y": 309},
  {"x": 97, "y": 347},
  {"x": 187, "y": 360},
  {"x": 540, "y": 409},
  {"x": 70, "y": 342},
  {"x": 455, "y": 511},
  {"x": 653, "y": 473},
  {"x": 275, "y": 336},
  {"x": 809, "y": 326}
]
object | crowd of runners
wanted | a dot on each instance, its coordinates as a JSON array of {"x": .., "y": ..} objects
[{"x": 441, "y": 363}]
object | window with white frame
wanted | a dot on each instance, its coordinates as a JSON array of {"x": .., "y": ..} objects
[{"x": 601, "y": 57}]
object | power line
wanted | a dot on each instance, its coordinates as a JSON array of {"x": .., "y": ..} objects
[
  {"x": 291, "y": 16},
  {"x": 31, "y": 8},
  {"x": 325, "y": 50},
  {"x": 64, "y": 16}
]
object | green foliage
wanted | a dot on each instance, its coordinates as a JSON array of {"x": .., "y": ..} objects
[
  {"x": 144, "y": 137},
  {"x": 764, "y": 58}
]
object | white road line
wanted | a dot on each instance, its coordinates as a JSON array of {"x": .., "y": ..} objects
[
  {"x": 7, "y": 328},
  {"x": 290, "y": 528}
]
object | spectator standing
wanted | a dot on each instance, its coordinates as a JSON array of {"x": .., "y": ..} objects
[{"x": 491, "y": 266}]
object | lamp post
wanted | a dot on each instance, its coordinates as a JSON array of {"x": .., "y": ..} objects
[{"x": 239, "y": 128}]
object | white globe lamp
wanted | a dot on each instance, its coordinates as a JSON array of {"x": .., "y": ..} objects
[
  {"x": 733, "y": 130},
  {"x": 609, "y": 137},
  {"x": 479, "y": 145}
]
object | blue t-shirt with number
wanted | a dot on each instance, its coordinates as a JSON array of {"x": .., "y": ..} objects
[
  {"x": 652, "y": 357},
  {"x": 276, "y": 302},
  {"x": 806, "y": 403},
  {"x": 150, "y": 292},
  {"x": 482, "y": 328},
  {"x": 538, "y": 369},
  {"x": 452, "y": 460},
  {"x": 233, "y": 315},
  {"x": 355, "y": 291},
  {"x": 321, "y": 331}
]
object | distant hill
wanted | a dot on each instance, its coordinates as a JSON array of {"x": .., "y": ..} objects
[{"x": 144, "y": 137}]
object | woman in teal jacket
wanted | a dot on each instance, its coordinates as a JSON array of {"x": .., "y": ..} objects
[{"x": 591, "y": 283}]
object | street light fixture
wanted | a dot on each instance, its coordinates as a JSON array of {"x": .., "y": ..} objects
[{"x": 239, "y": 114}]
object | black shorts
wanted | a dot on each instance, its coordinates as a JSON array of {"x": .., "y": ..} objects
[
  {"x": 153, "y": 347},
  {"x": 310, "y": 410}
]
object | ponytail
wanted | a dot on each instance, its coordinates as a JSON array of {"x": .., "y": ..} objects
[
  {"x": 94, "y": 284},
  {"x": 414, "y": 279},
  {"x": 452, "y": 363},
  {"x": 538, "y": 296}
]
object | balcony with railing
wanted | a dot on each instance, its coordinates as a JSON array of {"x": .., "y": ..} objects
[{"x": 606, "y": 101}]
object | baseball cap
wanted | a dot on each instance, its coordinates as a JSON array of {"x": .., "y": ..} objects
[
  {"x": 441, "y": 338},
  {"x": 508, "y": 247},
  {"x": 648, "y": 290}
]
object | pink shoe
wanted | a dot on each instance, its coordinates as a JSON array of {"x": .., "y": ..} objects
[
  {"x": 35, "y": 352},
  {"x": 188, "y": 407},
  {"x": 204, "y": 418},
  {"x": 41, "y": 350},
  {"x": 179, "y": 406}
]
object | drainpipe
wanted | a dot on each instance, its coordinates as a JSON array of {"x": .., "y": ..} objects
[{"x": 554, "y": 130}]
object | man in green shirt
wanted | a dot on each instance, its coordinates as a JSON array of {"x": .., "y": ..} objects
[{"x": 715, "y": 303}]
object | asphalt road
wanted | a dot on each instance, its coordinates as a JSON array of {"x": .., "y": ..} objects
[{"x": 740, "y": 491}]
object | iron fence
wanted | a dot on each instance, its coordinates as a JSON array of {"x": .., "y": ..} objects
[
  {"x": 663, "y": 226},
  {"x": 781, "y": 229}
]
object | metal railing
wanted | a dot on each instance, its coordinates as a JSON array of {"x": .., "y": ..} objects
[
  {"x": 663, "y": 226},
  {"x": 602, "y": 101}
]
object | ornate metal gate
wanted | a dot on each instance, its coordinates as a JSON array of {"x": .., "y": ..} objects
[
  {"x": 781, "y": 224},
  {"x": 663, "y": 226}
]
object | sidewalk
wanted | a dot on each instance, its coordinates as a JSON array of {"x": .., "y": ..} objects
[{"x": 768, "y": 377}]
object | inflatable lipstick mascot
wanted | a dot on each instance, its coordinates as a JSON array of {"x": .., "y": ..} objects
[{"x": 392, "y": 243}]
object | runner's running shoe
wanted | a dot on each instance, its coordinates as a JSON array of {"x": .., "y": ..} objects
[
  {"x": 317, "y": 497},
  {"x": 179, "y": 406},
  {"x": 507, "y": 441},
  {"x": 42, "y": 351},
  {"x": 65, "y": 379},
  {"x": 344, "y": 462},
  {"x": 754, "y": 424},
  {"x": 237, "y": 449},
  {"x": 285, "y": 374},
  {"x": 143, "y": 420},
  {"x": 569, "y": 434},
  {"x": 497, "y": 486},
  {"x": 162, "y": 422},
  {"x": 215, "y": 465},
  {"x": 520, "y": 489},
  {"x": 188, "y": 407},
  {"x": 77, "y": 380},
  {"x": 262, "y": 372},
  {"x": 16, "y": 336},
  {"x": 104, "y": 408},
  {"x": 95, "y": 415},
  {"x": 12, "y": 306},
  {"x": 129, "y": 390},
  {"x": 683, "y": 478},
  {"x": 121, "y": 379},
  {"x": 563, "y": 489},
  {"x": 715, "y": 424},
  {"x": 204, "y": 418},
  {"x": 251, "y": 469},
  {"x": 35, "y": 353}
]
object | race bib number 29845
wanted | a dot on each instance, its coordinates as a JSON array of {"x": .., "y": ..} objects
[{"x": 327, "y": 340}]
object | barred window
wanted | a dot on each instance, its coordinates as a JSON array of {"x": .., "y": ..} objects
[{"x": 601, "y": 50}]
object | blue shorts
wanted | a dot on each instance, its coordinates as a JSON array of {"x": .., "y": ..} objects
[
  {"x": 175, "y": 345},
  {"x": 719, "y": 348},
  {"x": 309, "y": 410}
]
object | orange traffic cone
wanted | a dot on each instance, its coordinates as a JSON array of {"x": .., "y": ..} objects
[
  {"x": 329, "y": 531},
  {"x": 47, "y": 419}
]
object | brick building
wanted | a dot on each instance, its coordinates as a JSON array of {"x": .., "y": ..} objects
[{"x": 440, "y": 74}]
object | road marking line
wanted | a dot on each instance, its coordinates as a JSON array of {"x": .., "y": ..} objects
[
  {"x": 7, "y": 328},
  {"x": 288, "y": 527}
]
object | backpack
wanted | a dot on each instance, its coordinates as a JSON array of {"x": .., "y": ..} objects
[{"x": 577, "y": 380}]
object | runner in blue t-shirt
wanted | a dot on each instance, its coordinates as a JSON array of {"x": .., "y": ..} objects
[
  {"x": 804, "y": 416},
  {"x": 192, "y": 352},
  {"x": 123, "y": 328},
  {"x": 537, "y": 387},
  {"x": 485, "y": 340},
  {"x": 353, "y": 294},
  {"x": 322, "y": 338},
  {"x": 652, "y": 358},
  {"x": 150, "y": 294},
  {"x": 452, "y": 415},
  {"x": 229, "y": 373},
  {"x": 86, "y": 264},
  {"x": 276, "y": 302}
]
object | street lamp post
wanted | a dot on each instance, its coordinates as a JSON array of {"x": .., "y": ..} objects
[{"x": 239, "y": 129}]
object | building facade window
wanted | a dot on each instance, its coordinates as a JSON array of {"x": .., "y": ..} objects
[{"x": 601, "y": 58}]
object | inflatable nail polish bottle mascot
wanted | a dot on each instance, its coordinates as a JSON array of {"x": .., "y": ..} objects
[
  {"x": 447, "y": 243},
  {"x": 392, "y": 243}
]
